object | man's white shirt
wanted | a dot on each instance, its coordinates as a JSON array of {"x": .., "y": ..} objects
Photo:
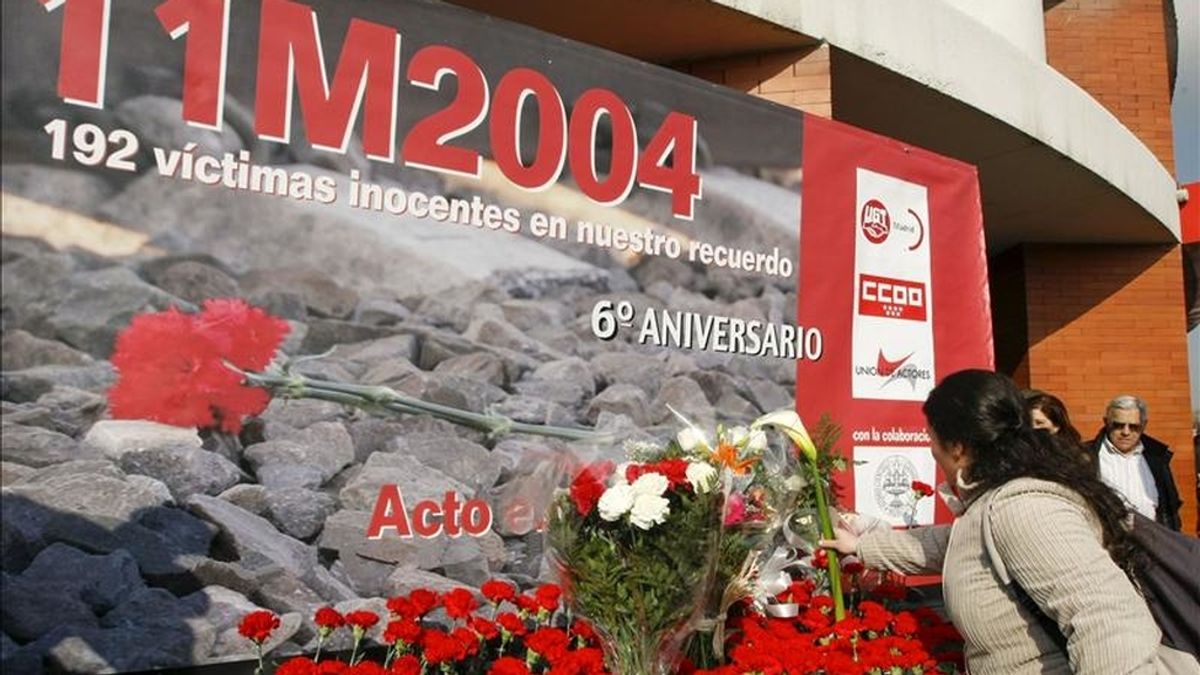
[{"x": 1129, "y": 474}]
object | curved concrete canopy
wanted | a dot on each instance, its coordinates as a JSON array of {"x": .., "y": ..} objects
[
  {"x": 922, "y": 56},
  {"x": 1055, "y": 166}
]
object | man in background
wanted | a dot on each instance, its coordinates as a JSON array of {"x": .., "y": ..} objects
[{"x": 1135, "y": 464}]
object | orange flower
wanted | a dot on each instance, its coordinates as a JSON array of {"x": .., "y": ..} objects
[{"x": 727, "y": 456}]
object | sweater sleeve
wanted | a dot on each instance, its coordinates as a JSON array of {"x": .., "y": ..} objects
[
  {"x": 1049, "y": 546},
  {"x": 920, "y": 550}
]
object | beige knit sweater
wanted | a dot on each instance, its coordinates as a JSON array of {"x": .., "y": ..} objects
[{"x": 1050, "y": 542}]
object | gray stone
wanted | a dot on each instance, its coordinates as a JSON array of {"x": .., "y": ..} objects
[
  {"x": 101, "y": 650},
  {"x": 735, "y": 408},
  {"x": 11, "y": 472},
  {"x": 529, "y": 314},
  {"x": 346, "y": 532},
  {"x": 461, "y": 460},
  {"x": 89, "y": 495},
  {"x": 298, "y": 414},
  {"x": 330, "y": 586},
  {"x": 285, "y": 305},
  {"x": 298, "y": 512},
  {"x": 480, "y": 366},
  {"x": 100, "y": 304},
  {"x": 73, "y": 409},
  {"x": 322, "y": 294},
  {"x": 229, "y": 575},
  {"x": 532, "y": 410},
  {"x": 621, "y": 399},
  {"x": 373, "y": 434},
  {"x": 186, "y": 470},
  {"x": 500, "y": 333},
  {"x": 465, "y": 562},
  {"x": 324, "y": 334},
  {"x": 253, "y": 498},
  {"x": 64, "y": 188},
  {"x": 476, "y": 394},
  {"x": 398, "y": 374},
  {"x": 372, "y": 352},
  {"x": 196, "y": 282},
  {"x": 769, "y": 396},
  {"x": 305, "y": 457},
  {"x": 31, "y": 289},
  {"x": 281, "y": 592},
  {"x": 158, "y": 122},
  {"x": 115, "y": 438},
  {"x": 573, "y": 370},
  {"x": 255, "y": 540},
  {"x": 100, "y": 581},
  {"x": 415, "y": 480},
  {"x": 380, "y": 312},
  {"x": 32, "y": 383},
  {"x": 715, "y": 383},
  {"x": 367, "y": 577},
  {"x": 90, "y": 467},
  {"x": 454, "y": 307},
  {"x": 639, "y": 370},
  {"x": 686, "y": 397},
  {"x": 405, "y": 580},
  {"x": 23, "y": 350},
  {"x": 37, "y": 447},
  {"x": 31, "y": 609},
  {"x": 566, "y": 393}
]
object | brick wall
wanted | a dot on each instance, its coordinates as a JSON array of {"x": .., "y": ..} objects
[
  {"x": 1107, "y": 320},
  {"x": 799, "y": 79},
  {"x": 1116, "y": 50}
]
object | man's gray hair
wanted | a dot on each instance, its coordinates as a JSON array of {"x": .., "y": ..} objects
[{"x": 1129, "y": 402}]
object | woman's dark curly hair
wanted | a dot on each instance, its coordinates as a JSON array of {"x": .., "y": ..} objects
[{"x": 985, "y": 412}]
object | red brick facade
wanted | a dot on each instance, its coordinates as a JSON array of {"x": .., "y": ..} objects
[
  {"x": 1117, "y": 51},
  {"x": 799, "y": 79}
]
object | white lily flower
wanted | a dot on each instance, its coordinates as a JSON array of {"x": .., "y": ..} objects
[{"x": 789, "y": 422}]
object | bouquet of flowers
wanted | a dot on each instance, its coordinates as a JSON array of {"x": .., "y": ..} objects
[{"x": 633, "y": 546}]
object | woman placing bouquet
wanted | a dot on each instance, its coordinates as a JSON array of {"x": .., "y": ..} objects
[{"x": 1038, "y": 573}]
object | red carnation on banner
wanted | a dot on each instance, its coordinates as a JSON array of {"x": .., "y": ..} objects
[
  {"x": 498, "y": 591},
  {"x": 172, "y": 366},
  {"x": 217, "y": 367},
  {"x": 922, "y": 489},
  {"x": 459, "y": 603}
]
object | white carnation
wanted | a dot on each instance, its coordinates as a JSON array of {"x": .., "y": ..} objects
[
  {"x": 691, "y": 440},
  {"x": 702, "y": 476},
  {"x": 757, "y": 442},
  {"x": 649, "y": 510},
  {"x": 616, "y": 501},
  {"x": 653, "y": 484}
]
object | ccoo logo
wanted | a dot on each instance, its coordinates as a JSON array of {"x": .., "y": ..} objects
[{"x": 876, "y": 222}]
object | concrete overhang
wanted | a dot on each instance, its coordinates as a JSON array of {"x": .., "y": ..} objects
[{"x": 1054, "y": 165}]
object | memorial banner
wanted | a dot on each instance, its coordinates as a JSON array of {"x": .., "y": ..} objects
[{"x": 510, "y": 230}]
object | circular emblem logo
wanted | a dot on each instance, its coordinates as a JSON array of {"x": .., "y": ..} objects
[
  {"x": 876, "y": 223},
  {"x": 893, "y": 485}
]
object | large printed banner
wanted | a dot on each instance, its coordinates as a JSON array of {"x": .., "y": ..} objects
[
  {"x": 893, "y": 263},
  {"x": 470, "y": 212}
]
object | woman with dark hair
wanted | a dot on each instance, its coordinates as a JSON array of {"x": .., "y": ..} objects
[
  {"x": 1037, "y": 567},
  {"x": 1047, "y": 412}
]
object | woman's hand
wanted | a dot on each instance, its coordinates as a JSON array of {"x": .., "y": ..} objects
[{"x": 844, "y": 541}]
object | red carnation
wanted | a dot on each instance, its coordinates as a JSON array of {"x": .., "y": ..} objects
[
  {"x": 549, "y": 643},
  {"x": 820, "y": 558},
  {"x": 171, "y": 366},
  {"x": 329, "y": 619},
  {"x": 468, "y": 638},
  {"x": 362, "y": 620},
  {"x": 403, "y": 630},
  {"x": 459, "y": 603},
  {"x": 442, "y": 648},
  {"x": 366, "y": 668},
  {"x": 588, "y": 486},
  {"x": 511, "y": 623},
  {"x": 547, "y": 596},
  {"x": 297, "y": 666},
  {"x": 675, "y": 470},
  {"x": 258, "y": 626},
  {"x": 528, "y": 603},
  {"x": 583, "y": 630},
  {"x": 423, "y": 601},
  {"x": 498, "y": 591},
  {"x": 484, "y": 628},
  {"x": 407, "y": 665},
  {"x": 922, "y": 489},
  {"x": 331, "y": 668},
  {"x": 402, "y": 607},
  {"x": 507, "y": 665}
]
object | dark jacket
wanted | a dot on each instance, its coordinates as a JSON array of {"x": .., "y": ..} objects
[{"x": 1158, "y": 457}]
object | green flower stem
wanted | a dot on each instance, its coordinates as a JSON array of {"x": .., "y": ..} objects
[
  {"x": 835, "y": 569},
  {"x": 385, "y": 398}
]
